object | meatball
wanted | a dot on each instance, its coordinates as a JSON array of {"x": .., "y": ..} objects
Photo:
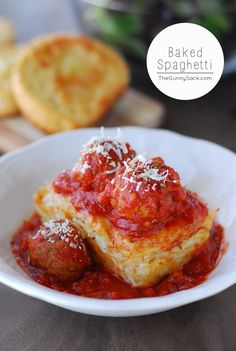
[
  {"x": 145, "y": 192},
  {"x": 100, "y": 160},
  {"x": 64, "y": 184},
  {"x": 58, "y": 249}
]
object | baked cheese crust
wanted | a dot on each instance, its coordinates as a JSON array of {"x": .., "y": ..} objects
[{"x": 141, "y": 263}]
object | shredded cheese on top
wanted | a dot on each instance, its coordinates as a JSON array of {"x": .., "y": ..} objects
[
  {"x": 83, "y": 168},
  {"x": 103, "y": 145},
  {"x": 140, "y": 171},
  {"x": 62, "y": 229}
]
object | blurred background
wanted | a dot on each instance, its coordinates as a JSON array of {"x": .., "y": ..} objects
[{"x": 130, "y": 27}]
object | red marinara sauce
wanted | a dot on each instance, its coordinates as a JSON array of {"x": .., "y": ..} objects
[
  {"x": 135, "y": 213},
  {"x": 98, "y": 283}
]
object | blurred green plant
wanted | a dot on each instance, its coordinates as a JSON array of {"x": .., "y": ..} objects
[
  {"x": 214, "y": 15},
  {"x": 133, "y": 27},
  {"x": 121, "y": 30}
]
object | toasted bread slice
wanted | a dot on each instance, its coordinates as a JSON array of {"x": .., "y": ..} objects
[
  {"x": 7, "y": 32},
  {"x": 141, "y": 263},
  {"x": 64, "y": 82},
  {"x": 8, "y": 58}
]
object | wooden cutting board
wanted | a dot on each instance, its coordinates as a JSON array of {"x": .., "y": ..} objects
[{"x": 134, "y": 108}]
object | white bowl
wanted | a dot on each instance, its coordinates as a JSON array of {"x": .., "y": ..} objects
[{"x": 204, "y": 167}]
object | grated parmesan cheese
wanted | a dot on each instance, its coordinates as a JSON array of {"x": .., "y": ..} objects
[
  {"x": 62, "y": 229},
  {"x": 103, "y": 145},
  {"x": 74, "y": 246},
  {"x": 57, "y": 227},
  {"x": 84, "y": 167},
  {"x": 140, "y": 171}
]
